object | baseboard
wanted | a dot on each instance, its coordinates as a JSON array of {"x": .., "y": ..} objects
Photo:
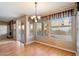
[
  {"x": 30, "y": 42},
  {"x": 52, "y": 46},
  {"x": 55, "y": 46}
]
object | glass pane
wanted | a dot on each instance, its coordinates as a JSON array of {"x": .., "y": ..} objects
[
  {"x": 39, "y": 29},
  {"x": 45, "y": 30},
  {"x": 3, "y": 29},
  {"x": 61, "y": 28}
]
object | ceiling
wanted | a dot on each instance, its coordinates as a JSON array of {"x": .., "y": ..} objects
[{"x": 11, "y": 10}]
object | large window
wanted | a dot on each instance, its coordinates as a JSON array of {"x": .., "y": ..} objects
[
  {"x": 45, "y": 28},
  {"x": 39, "y": 29},
  {"x": 61, "y": 28},
  {"x": 3, "y": 29},
  {"x": 58, "y": 25}
]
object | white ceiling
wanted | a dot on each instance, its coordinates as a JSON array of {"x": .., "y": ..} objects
[{"x": 10, "y": 10}]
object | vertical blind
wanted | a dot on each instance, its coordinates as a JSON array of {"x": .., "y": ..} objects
[{"x": 63, "y": 14}]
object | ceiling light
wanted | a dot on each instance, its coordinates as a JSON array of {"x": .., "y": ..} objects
[{"x": 36, "y": 18}]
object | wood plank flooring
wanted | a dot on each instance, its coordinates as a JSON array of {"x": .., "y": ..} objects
[{"x": 13, "y": 48}]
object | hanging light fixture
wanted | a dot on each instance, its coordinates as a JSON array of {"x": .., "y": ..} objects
[{"x": 35, "y": 18}]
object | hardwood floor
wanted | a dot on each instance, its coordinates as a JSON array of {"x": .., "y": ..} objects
[{"x": 13, "y": 48}]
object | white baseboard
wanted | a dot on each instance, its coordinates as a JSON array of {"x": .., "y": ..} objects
[
  {"x": 52, "y": 46},
  {"x": 55, "y": 46},
  {"x": 30, "y": 42}
]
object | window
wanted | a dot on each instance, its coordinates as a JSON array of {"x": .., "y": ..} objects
[
  {"x": 61, "y": 28},
  {"x": 3, "y": 29},
  {"x": 31, "y": 29},
  {"x": 39, "y": 29},
  {"x": 45, "y": 29}
]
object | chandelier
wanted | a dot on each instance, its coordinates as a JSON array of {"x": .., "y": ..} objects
[{"x": 35, "y": 18}]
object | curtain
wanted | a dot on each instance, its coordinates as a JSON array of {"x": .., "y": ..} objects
[
  {"x": 60, "y": 24},
  {"x": 62, "y": 14}
]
